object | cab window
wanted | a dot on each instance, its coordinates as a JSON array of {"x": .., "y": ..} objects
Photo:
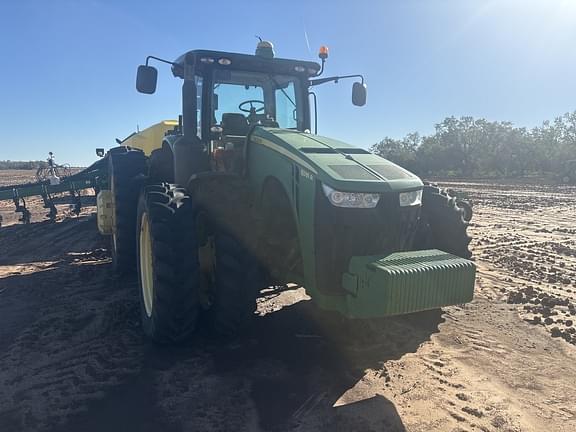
[
  {"x": 230, "y": 96},
  {"x": 286, "y": 112},
  {"x": 246, "y": 98}
]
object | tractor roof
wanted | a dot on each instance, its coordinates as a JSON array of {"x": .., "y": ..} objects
[{"x": 206, "y": 60}]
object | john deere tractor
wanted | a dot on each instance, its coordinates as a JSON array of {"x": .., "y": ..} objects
[{"x": 239, "y": 194}]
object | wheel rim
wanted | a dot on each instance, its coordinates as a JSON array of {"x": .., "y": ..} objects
[{"x": 146, "y": 274}]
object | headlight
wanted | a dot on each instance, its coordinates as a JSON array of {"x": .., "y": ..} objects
[
  {"x": 350, "y": 199},
  {"x": 410, "y": 198}
]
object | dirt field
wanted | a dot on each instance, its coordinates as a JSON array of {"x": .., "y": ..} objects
[{"x": 72, "y": 357}]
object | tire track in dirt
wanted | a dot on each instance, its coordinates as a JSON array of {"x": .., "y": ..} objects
[{"x": 529, "y": 237}]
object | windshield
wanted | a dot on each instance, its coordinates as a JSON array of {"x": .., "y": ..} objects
[{"x": 258, "y": 97}]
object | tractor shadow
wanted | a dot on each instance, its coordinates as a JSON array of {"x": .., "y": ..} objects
[
  {"x": 316, "y": 359},
  {"x": 296, "y": 367},
  {"x": 292, "y": 367}
]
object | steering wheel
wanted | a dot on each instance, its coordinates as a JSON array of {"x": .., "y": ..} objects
[{"x": 252, "y": 110}]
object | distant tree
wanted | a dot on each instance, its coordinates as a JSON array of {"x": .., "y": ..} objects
[
  {"x": 21, "y": 165},
  {"x": 402, "y": 152},
  {"x": 477, "y": 147}
]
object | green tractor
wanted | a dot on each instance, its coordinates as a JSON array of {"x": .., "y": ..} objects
[{"x": 239, "y": 194}]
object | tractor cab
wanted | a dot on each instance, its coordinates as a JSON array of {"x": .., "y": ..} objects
[
  {"x": 225, "y": 96},
  {"x": 242, "y": 100},
  {"x": 235, "y": 92}
]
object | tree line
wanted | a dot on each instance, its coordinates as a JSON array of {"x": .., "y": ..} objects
[
  {"x": 469, "y": 147},
  {"x": 22, "y": 165}
]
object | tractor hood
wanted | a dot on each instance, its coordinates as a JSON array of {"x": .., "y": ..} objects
[{"x": 337, "y": 164}]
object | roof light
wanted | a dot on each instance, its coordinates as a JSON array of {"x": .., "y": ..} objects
[
  {"x": 299, "y": 68},
  {"x": 207, "y": 60},
  {"x": 224, "y": 61},
  {"x": 323, "y": 52}
]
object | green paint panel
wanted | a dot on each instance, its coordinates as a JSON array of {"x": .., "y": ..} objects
[
  {"x": 406, "y": 282},
  {"x": 356, "y": 172},
  {"x": 378, "y": 286}
]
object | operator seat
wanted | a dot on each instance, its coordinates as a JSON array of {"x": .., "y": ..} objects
[
  {"x": 235, "y": 128},
  {"x": 234, "y": 124}
]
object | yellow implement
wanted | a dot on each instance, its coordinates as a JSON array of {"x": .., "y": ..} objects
[{"x": 150, "y": 138}]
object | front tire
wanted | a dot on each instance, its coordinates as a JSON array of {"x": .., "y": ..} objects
[
  {"x": 168, "y": 267},
  {"x": 237, "y": 283},
  {"x": 443, "y": 223}
]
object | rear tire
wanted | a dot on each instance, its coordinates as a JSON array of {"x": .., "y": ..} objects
[
  {"x": 443, "y": 223},
  {"x": 124, "y": 169},
  {"x": 168, "y": 267}
]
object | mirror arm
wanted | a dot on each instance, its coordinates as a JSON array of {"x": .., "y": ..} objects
[
  {"x": 160, "y": 60},
  {"x": 334, "y": 78}
]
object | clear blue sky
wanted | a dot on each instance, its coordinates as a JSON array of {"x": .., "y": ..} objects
[{"x": 67, "y": 68}]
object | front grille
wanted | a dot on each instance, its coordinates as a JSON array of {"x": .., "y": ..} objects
[{"x": 341, "y": 233}]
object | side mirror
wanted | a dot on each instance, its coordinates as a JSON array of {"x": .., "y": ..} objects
[
  {"x": 100, "y": 152},
  {"x": 146, "y": 79},
  {"x": 359, "y": 94}
]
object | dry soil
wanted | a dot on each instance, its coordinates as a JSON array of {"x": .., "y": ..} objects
[{"x": 72, "y": 356}]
